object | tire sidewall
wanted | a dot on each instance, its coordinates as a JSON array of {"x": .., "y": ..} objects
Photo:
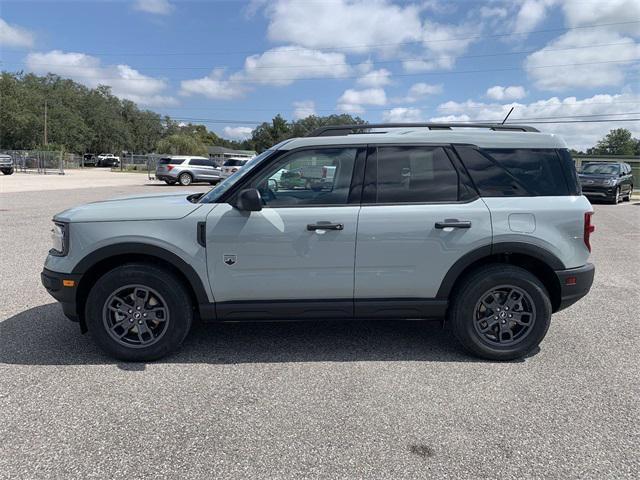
[
  {"x": 176, "y": 298},
  {"x": 478, "y": 285},
  {"x": 185, "y": 175}
]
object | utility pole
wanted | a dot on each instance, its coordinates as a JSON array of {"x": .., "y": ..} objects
[{"x": 45, "y": 123}]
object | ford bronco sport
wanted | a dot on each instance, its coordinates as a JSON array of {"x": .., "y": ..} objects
[{"x": 483, "y": 225}]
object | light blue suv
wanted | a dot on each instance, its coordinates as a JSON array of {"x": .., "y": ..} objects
[{"x": 483, "y": 225}]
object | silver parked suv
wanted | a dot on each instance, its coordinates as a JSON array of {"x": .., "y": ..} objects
[
  {"x": 483, "y": 225},
  {"x": 185, "y": 170}
]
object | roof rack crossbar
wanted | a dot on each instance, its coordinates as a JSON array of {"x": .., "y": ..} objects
[{"x": 339, "y": 130}]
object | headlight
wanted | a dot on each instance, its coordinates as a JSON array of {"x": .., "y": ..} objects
[
  {"x": 59, "y": 239},
  {"x": 610, "y": 181}
]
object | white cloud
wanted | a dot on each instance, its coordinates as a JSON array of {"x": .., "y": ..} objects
[
  {"x": 493, "y": 12},
  {"x": 213, "y": 86},
  {"x": 585, "y": 76},
  {"x": 443, "y": 44},
  {"x": 237, "y": 133},
  {"x": 125, "y": 81},
  {"x": 419, "y": 91},
  {"x": 375, "y": 78},
  {"x": 352, "y": 101},
  {"x": 283, "y": 65},
  {"x": 514, "y": 92},
  {"x": 156, "y": 7},
  {"x": 357, "y": 24},
  {"x": 577, "y": 135},
  {"x": 403, "y": 114},
  {"x": 603, "y": 12},
  {"x": 303, "y": 109},
  {"x": 15, "y": 36},
  {"x": 532, "y": 13}
]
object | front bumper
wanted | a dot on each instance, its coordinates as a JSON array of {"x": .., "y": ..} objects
[
  {"x": 575, "y": 283},
  {"x": 59, "y": 287},
  {"x": 601, "y": 191}
]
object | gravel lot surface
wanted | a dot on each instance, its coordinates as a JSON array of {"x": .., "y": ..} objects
[{"x": 315, "y": 400}]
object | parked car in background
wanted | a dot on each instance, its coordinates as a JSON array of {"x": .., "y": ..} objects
[
  {"x": 483, "y": 225},
  {"x": 231, "y": 166},
  {"x": 185, "y": 169},
  {"x": 611, "y": 181},
  {"x": 107, "y": 160},
  {"x": 89, "y": 160},
  {"x": 6, "y": 164}
]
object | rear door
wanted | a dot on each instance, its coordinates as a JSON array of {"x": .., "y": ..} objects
[{"x": 419, "y": 216}]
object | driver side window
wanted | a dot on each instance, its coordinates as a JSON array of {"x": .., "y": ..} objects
[{"x": 319, "y": 176}]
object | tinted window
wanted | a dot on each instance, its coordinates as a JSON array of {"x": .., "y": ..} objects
[
  {"x": 199, "y": 162},
  {"x": 309, "y": 177},
  {"x": 170, "y": 161},
  {"x": 234, "y": 163},
  {"x": 415, "y": 175},
  {"x": 571, "y": 174},
  {"x": 601, "y": 169}
]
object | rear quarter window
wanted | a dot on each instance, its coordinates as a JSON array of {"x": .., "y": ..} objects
[
  {"x": 170, "y": 161},
  {"x": 501, "y": 172}
]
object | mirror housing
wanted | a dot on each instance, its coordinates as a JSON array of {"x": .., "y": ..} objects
[{"x": 249, "y": 200}]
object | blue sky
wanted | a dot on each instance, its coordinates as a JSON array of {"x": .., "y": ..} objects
[{"x": 230, "y": 63}]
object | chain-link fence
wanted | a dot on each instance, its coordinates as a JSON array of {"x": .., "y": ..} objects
[{"x": 37, "y": 161}]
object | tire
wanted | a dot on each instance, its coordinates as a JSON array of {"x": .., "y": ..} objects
[
  {"x": 170, "y": 182},
  {"x": 628, "y": 197},
  {"x": 185, "y": 179},
  {"x": 8, "y": 172},
  {"x": 464, "y": 313},
  {"x": 616, "y": 197},
  {"x": 161, "y": 336}
]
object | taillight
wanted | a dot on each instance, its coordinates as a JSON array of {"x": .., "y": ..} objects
[
  {"x": 588, "y": 229},
  {"x": 169, "y": 168}
]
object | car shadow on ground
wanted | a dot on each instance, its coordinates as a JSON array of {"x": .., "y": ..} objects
[{"x": 43, "y": 336}]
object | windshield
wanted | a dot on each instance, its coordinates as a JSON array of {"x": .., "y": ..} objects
[
  {"x": 216, "y": 192},
  {"x": 600, "y": 169}
]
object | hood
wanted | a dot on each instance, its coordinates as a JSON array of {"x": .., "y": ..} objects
[{"x": 142, "y": 207}]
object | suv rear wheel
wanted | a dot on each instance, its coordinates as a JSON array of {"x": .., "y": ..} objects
[
  {"x": 500, "y": 312},
  {"x": 138, "y": 312},
  {"x": 185, "y": 179}
]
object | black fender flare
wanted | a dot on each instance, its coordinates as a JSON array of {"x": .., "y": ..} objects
[
  {"x": 134, "y": 248},
  {"x": 470, "y": 258}
]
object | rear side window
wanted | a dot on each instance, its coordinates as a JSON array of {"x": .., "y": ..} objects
[
  {"x": 234, "y": 163},
  {"x": 516, "y": 172},
  {"x": 170, "y": 161},
  {"x": 200, "y": 162},
  {"x": 571, "y": 174},
  {"x": 415, "y": 175},
  {"x": 539, "y": 170}
]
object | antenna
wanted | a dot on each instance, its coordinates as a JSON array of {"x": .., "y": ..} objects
[{"x": 505, "y": 118}]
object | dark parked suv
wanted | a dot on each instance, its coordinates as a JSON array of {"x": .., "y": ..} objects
[{"x": 611, "y": 181}]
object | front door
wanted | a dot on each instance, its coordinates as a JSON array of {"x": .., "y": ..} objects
[
  {"x": 294, "y": 258},
  {"x": 418, "y": 218}
]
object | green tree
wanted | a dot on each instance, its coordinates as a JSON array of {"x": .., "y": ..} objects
[
  {"x": 181, "y": 144},
  {"x": 616, "y": 142}
]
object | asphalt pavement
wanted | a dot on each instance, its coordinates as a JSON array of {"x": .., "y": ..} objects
[{"x": 334, "y": 400}]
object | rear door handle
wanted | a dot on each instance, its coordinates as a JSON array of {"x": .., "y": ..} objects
[
  {"x": 453, "y": 223},
  {"x": 325, "y": 226}
]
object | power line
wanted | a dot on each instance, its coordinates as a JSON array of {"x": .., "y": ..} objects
[
  {"x": 362, "y": 46},
  {"x": 344, "y": 77},
  {"x": 343, "y": 64}
]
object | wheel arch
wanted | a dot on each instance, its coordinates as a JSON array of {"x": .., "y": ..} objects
[
  {"x": 536, "y": 260},
  {"x": 99, "y": 262}
]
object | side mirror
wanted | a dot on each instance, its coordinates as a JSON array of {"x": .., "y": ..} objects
[{"x": 249, "y": 200}]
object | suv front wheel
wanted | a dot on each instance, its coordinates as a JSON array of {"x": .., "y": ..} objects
[
  {"x": 500, "y": 312},
  {"x": 138, "y": 312}
]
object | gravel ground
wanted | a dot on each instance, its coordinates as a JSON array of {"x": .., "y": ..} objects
[{"x": 316, "y": 400}]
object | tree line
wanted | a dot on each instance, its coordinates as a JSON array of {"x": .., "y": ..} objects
[{"x": 82, "y": 119}]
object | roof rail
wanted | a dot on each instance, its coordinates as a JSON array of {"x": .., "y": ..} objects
[{"x": 339, "y": 130}]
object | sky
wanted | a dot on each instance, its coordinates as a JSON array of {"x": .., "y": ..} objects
[{"x": 232, "y": 64}]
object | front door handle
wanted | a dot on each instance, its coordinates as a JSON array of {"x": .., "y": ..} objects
[
  {"x": 453, "y": 223},
  {"x": 325, "y": 226}
]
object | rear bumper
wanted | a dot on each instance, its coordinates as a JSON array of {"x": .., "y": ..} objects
[
  {"x": 66, "y": 295},
  {"x": 575, "y": 283}
]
